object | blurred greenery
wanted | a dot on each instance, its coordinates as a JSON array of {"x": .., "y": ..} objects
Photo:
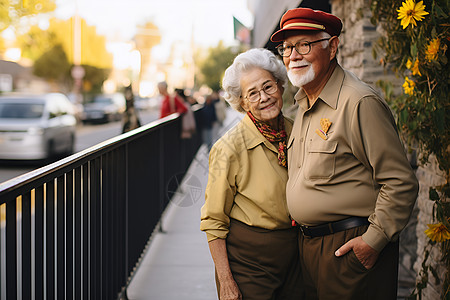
[
  {"x": 36, "y": 41},
  {"x": 52, "y": 65},
  {"x": 51, "y": 50},
  {"x": 212, "y": 67},
  {"x": 12, "y": 10}
]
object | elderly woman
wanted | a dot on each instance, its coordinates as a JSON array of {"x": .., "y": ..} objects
[{"x": 245, "y": 217}]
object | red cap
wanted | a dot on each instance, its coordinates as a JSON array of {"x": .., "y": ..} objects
[{"x": 307, "y": 19}]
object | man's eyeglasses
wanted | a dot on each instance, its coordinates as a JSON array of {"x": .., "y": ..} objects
[
  {"x": 301, "y": 47},
  {"x": 269, "y": 88}
]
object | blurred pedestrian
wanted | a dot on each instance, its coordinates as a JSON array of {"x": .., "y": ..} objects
[
  {"x": 188, "y": 123},
  {"x": 220, "y": 107},
  {"x": 207, "y": 120},
  {"x": 171, "y": 103},
  {"x": 130, "y": 118}
]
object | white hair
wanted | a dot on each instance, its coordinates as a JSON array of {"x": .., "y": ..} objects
[
  {"x": 324, "y": 35},
  {"x": 253, "y": 58}
]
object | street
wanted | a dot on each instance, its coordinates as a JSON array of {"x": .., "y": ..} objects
[{"x": 88, "y": 135}]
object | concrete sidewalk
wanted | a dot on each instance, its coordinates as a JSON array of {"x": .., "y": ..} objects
[{"x": 177, "y": 264}]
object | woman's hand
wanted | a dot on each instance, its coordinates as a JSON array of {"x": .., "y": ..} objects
[{"x": 229, "y": 290}]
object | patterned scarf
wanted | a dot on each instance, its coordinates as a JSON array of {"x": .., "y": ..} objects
[{"x": 273, "y": 135}]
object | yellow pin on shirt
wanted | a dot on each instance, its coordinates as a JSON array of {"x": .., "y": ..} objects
[{"x": 325, "y": 126}]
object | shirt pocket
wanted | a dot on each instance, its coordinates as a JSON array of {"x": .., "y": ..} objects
[{"x": 320, "y": 162}]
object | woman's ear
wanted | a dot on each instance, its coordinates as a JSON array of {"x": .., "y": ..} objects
[
  {"x": 244, "y": 105},
  {"x": 281, "y": 88}
]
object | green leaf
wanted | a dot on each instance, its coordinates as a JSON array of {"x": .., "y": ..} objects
[
  {"x": 433, "y": 194},
  {"x": 439, "y": 118},
  {"x": 439, "y": 12},
  {"x": 433, "y": 33},
  {"x": 414, "y": 50}
]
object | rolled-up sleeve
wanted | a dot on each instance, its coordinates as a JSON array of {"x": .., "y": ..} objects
[
  {"x": 377, "y": 145},
  {"x": 219, "y": 195}
]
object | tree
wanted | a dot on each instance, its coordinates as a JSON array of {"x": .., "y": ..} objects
[
  {"x": 93, "y": 46},
  {"x": 38, "y": 45},
  {"x": 213, "y": 67},
  {"x": 12, "y": 10},
  {"x": 52, "y": 65}
]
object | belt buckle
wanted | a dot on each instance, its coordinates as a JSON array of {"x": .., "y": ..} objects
[{"x": 304, "y": 229}]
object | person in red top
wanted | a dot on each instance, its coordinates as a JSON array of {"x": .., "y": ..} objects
[{"x": 171, "y": 103}]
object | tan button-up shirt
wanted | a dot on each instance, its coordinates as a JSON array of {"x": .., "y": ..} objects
[
  {"x": 358, "y": 169},
  {"x": 245, "y": 182}
]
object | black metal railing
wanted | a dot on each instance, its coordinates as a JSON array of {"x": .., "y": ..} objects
[{"x": 75, "y": 229}]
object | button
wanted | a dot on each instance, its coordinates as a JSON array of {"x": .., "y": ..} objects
[{"x": 301, "y": 140}]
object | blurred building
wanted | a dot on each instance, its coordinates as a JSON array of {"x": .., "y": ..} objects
[{"x": 16, "y": 77}]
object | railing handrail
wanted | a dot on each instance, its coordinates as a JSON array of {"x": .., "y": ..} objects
[{"x": 77, "y": 228}]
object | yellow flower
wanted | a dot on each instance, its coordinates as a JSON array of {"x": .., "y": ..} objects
[
  {"x": 433, "y": 49},
  {"x": 410, "y": 11},
  {"x": 414, "y": 68},
  {"x": 408, "y": 86},
  {"x": 437, "y": 232}
]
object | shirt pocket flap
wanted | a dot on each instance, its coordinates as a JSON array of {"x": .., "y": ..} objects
[{"x": 325, "y": 147}]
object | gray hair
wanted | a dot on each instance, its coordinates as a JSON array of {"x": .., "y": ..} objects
[
  {"x": 253, "y": 58},
  {"x": 324, "y": 35}
]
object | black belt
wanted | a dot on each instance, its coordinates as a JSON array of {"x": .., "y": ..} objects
[{"x": 329, "y": 228}]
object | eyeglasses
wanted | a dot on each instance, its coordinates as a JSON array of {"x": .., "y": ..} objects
[
  {"x": 269, "y": 88},
  {"x": 301, "y": 47}
]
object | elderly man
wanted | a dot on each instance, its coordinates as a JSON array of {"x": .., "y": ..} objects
[{"x": 351, "y": 188}]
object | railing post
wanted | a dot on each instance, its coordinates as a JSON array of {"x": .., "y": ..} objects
[{"x": 11, "y": 249}]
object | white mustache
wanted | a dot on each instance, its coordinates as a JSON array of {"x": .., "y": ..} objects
[{"x": 303, "y": 63}]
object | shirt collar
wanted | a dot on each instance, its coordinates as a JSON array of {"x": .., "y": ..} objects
[
  {"x": 254, "y": 137},
  {"x": 329, "y": 94}
]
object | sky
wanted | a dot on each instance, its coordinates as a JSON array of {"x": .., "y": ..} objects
[{"x": 210, "y": 20}]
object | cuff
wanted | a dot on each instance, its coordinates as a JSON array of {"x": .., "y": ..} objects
[
  {"x": 212, "y": 235},
  {"x": 375, "y": 238}
]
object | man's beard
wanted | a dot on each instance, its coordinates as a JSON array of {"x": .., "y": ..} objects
[{"x": 301, "y": 80}]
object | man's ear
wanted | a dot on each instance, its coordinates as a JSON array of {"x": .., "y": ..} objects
[{"x": 334, "y": 43}]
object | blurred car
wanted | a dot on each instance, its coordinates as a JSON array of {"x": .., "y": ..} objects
[
  {"x": 36, "y": 126},
  {"x": 104, "y": 108}
]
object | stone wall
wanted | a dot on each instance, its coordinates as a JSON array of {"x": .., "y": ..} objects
[
  {"x": 429, "y": 175},
  {"x": 357, "y": 40},
  {"x": 355, "y": 54}
]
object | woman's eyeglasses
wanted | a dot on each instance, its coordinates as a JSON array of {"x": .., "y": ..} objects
[{"x": 269, "y": 88}]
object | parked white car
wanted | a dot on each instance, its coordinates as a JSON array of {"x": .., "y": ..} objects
[{"x": 36, "y": 126}]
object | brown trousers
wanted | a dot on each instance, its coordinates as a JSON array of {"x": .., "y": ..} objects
[
  {"x": 264, "y": 263},
  {"x": 329, "y": 277}
]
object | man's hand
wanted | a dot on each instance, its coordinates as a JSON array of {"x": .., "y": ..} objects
[{"x": 364, "y": 253}]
